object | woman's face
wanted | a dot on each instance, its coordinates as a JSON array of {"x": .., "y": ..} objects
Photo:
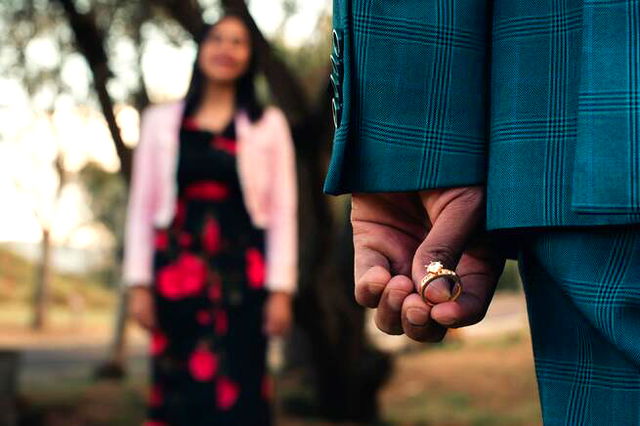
[{"x": 226, "y": 51}]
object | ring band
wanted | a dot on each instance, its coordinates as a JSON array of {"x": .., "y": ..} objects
[{"x": 435, "y": 270}]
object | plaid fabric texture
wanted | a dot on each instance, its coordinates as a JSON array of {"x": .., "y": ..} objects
[
  {"x": 406, "y": 122},
  {"x": 583, "y": 294},
  {"x": 539, "y": 99}
]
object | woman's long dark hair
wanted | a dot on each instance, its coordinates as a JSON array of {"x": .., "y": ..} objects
[{"x": 246, "y": 98}]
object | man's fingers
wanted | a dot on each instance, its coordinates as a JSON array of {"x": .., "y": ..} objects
[
  {"x": 439, "y": 291},
  {"x": 479, "y": 271},
  {"x": 387, "y": 316},
  {"x": 468, "y": 309},
  {"x": 380, "y": 253},
  {"x": 370, "y": 286},
  {"x": 456, "y": 219},
  {"x": 374, "y": 267},
  {"x": 417, "y": 323},
  {"x": 387, "y": 229}
]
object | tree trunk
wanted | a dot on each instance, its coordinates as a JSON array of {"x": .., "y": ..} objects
[
  {"x": 43, "y": 282},
  {"x": 348, "y": 372},
  {"x": 91, "y": 41}
]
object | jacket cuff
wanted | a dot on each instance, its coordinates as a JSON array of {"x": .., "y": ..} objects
[{"x": 389, "y": 167}]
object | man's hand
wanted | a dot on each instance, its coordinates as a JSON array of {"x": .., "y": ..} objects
[{"x": 397, "y": 234}]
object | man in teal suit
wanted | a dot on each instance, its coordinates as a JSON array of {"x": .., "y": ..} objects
[{"x": 473, "y": 130}]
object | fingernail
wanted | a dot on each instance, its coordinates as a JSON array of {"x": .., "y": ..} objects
[
  {"x": 439, "y": 291},
  {"x": 417, "y": 316},
  {"x": 395, "y": 300}
]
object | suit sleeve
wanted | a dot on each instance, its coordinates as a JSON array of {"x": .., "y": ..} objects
[
  {"x": 282, "y": 231},
  {"x": 410, "y": 95},
  {"x": 138, "y": 238}
]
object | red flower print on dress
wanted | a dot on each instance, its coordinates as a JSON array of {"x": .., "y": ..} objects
[
  {"x": 184, "y": 278},
  {"x": 204, "y": 317},
  {"x": 207, "y": 190},
  {"x": 194, "y": 273},
  {"x": 224, "y": 144},
  {"x": 161, "y": 240},
  {"x": 203, "y": 365},
  {"x": 221, "y": 322},
  {"x": 227, "y": 392},
  {"x": 211, "y": 236},
  {"x": 156, "y": 396},
  {"x": 154, "y": 423},
  {"x": 255, "y": 268},
  {"x": 159, "y": 343},
  {"x": 169, "y": 282}
]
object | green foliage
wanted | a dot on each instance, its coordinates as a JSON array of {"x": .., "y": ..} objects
[
  {"x": 28, "y": 28},
  {"x": 107, "y": 194},
  {"x": 107, "y": 197}
]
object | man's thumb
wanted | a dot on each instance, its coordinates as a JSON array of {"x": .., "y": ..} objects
[{"x": 453, "y": 227}]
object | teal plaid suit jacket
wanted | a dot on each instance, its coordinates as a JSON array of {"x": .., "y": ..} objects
[{"x": 537, "y": 99}]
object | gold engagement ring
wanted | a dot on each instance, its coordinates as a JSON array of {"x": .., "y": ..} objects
[{"x": 436, "y": 270}]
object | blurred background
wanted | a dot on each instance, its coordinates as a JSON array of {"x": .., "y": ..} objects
[{"x": 75, "y": 75}]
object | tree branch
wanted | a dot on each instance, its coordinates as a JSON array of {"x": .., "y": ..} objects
[
  {"x": 90, "y": 42},
  {"x": 187, "y": 13}
]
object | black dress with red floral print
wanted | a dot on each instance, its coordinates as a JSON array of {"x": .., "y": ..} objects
[{"x": 208, "y": 353}]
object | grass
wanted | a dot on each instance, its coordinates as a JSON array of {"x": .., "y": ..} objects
[
  {"x": 17, "y": 279},
  {"x": 75, "y": 301},
  {"x": 15, "y": 316},
  {"x": 489, "y": 382}
]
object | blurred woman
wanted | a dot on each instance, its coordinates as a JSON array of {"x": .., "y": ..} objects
[{"x": 211, "y": 239}]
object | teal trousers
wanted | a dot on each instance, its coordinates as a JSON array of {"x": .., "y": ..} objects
[{"x": 583, "y": 297}]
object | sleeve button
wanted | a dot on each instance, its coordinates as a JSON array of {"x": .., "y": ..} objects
[
  {"x": 337, "y": 44},
  {"x": 337, "y": 112}
]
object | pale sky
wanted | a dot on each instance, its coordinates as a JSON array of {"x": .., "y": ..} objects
[{"x": 29, "y": 140}]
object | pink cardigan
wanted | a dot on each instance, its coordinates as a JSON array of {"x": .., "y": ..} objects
[{"x": 266, "y": 166}]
